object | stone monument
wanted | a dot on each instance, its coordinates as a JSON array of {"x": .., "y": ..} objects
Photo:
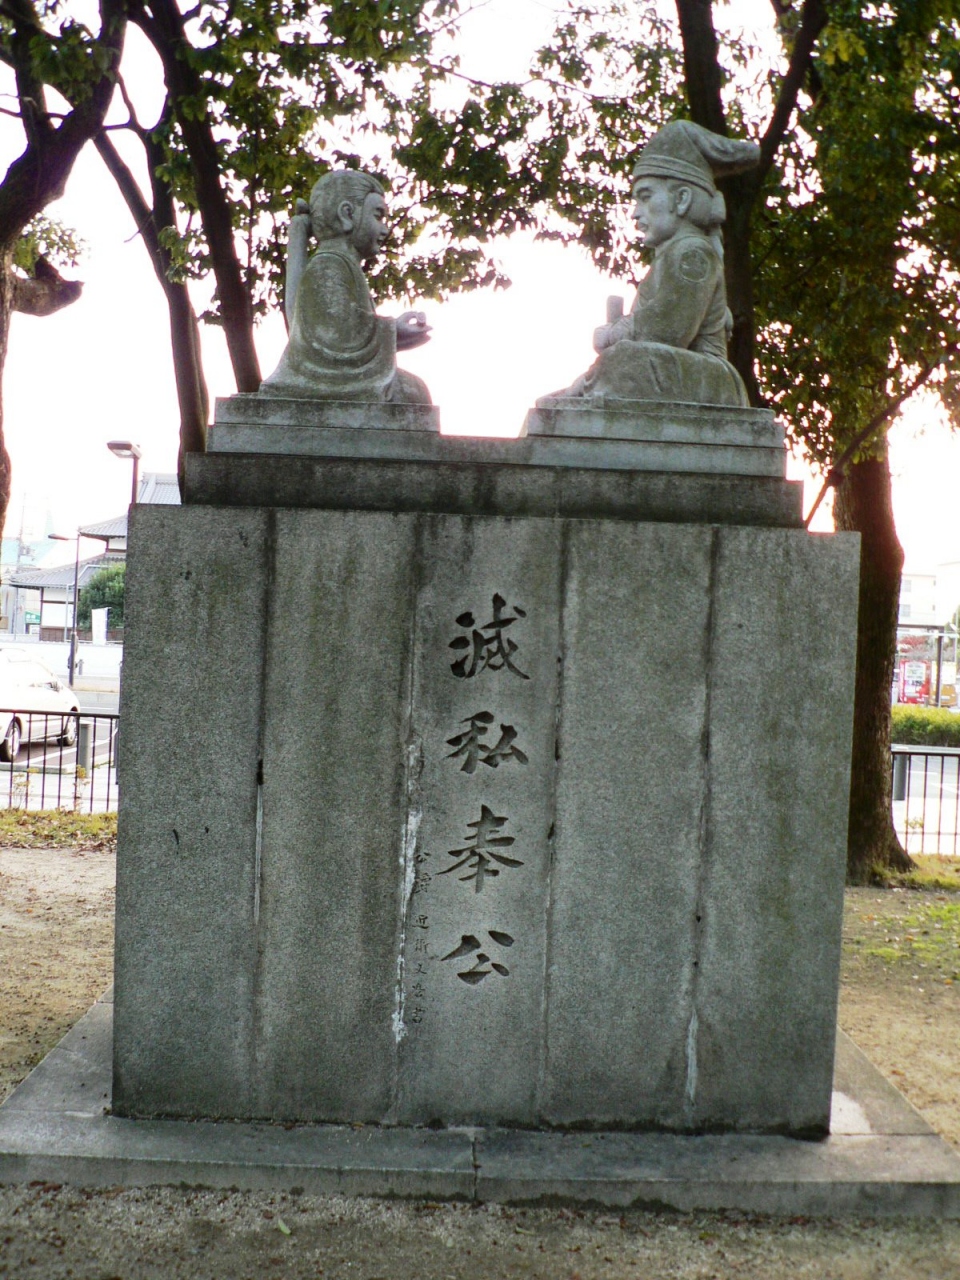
[
  {"x": 339, "y": 348},
  {"x": 672, "y": 347},
  {"x": 488, "y": 782}
]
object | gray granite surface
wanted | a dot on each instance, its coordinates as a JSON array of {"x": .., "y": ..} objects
[
  {"x": 472, "y": 484},
  {"x": 497, "y": 820},
  {"x": 881, "y": 1158}
]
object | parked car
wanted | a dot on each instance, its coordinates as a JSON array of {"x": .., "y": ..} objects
[{"x": 35, "y": 705}]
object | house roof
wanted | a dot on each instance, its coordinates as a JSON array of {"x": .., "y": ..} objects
[
  {"x": 156, "y": 488},
  {"x": 61, "y": 576},
  {"x": 159, "y": 488},
  {"x": 108, "y": 530}
]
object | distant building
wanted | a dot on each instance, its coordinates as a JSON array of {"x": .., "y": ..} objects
[
  {"x": 40, "y": 601},
  {"x": 918, "y": 599},
  {"x": 926, "y": 643}
]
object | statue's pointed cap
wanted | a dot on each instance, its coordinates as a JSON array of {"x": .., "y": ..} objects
[{"x": 689, "y": 153}]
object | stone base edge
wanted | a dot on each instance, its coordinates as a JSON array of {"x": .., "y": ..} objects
[
  {"x": 886, "y": 1161},
  {"x": 600, "y": 453},
  {"x": 656, "y": 421},
  {"x": 480, "y": 489},
  {"x": 264, "y": 410}
]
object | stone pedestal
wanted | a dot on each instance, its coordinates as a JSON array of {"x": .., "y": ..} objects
[{"x": 444, "y": 805}]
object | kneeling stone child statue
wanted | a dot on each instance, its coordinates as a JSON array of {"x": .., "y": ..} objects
[
  {"x": 339, "y": 348},
  {"x": 672, "y": 346}
]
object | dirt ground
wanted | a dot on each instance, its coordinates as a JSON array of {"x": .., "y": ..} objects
[
  {"x": 900, "y": 1000},
  {"x": 56, "y": 949},
  {"x": 900, "y": 994}
]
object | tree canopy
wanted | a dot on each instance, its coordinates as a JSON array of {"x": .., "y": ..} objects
[
  {"x": 44, "y": 49},
  {"x": 260, "y": 100},
  {"x": 103, "y": 591},
  {"x": 842, "y": 254},
  {"x": 841, "y": 248}
]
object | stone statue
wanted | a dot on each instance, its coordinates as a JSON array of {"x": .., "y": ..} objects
[
  {"x": 339, "y": 348},
  {"x": 673, "y": 344}
]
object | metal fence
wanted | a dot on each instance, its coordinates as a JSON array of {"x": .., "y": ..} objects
[
  {"x": 53, "y": 761},
  {"x": 926, "y": 799},
  {"x": 70, "y": 762}
]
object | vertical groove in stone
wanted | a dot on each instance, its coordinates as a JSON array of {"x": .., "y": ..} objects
[
  {"x": 562, "y": 571},
  {"x": 269, "y": 586},
  {"x": 412, "y": 811},
  {"x": 703, "y": 829}
]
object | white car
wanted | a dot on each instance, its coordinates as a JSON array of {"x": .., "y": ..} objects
[{"x": 34, "y": 704}]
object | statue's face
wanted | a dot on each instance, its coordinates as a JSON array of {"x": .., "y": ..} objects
[
  {"x": 370, "y": 226},
  {"x": 657, "y": 211}
]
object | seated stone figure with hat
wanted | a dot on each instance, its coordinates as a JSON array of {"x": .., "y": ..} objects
[
  {"x": 672, "y": 346},
  {"x": 339, "y": 348}
]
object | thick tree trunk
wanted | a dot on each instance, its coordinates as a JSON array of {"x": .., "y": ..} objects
[
  {"x": 701, "y": 63},
  {"x": 704, "y": 81},
  {"x": 6, "y": 310},
  {"x": 863, "y": 505},
  {"x": 741, "y": 349}
]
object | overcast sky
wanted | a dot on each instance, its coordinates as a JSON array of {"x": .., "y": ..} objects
[{"x": 101, "y": 369}]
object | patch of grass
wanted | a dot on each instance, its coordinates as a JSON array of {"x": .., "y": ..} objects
[
  {"x": 939, "y": 874},
  {"x": 922, "y": 931},
  {"x": 57, "y": 829}
]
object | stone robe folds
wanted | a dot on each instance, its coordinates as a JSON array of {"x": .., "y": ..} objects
[
  {"x": 672, "y": 346},
  {"x": 339, "y": 349}
]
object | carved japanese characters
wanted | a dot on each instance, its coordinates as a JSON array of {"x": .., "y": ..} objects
[
  {"x": 339, "y": 348},
  {"x": 672, "y": 346},
  {"x": 484, "y": 849}
]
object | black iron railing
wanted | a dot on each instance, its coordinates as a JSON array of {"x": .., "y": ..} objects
[
  {"x": 926, "y": 799},
  {"x": 49, "y": 760}
]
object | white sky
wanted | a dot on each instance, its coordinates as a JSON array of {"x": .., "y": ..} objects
[{"x": 101, "y": 369}]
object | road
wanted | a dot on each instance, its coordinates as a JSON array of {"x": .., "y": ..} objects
[
  {"x": 45, "y": 775},
  {"x": 927, "y": 818}
]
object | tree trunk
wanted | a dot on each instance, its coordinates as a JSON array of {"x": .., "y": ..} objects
[
  {"x": 192, "y": 397},
  {"x": 863, "y": 505},
  {"x": 43, "y": 293},
  {"x": 164, "y": 27},
  {"x": 39, "y": 174},
  {"x": 740, "y": 197},
  {"x": 188, "y": 371},
  {"x": 701, "y": 63},
  {"x": 6, "y": 310}
]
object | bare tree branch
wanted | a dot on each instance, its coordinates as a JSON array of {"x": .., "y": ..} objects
[
  {"x": 812, "y": 22},
  {"x": 837, "y": 472}
]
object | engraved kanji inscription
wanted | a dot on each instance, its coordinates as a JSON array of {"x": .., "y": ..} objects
[
  {"x": 420, "y": 947},
  {"x": 483, "y": 965},
  {"x": 421, "y": 876},
  {"x": 483, "y": 850},
  {"x": 470, "y": 747},
  {"x": 487, "y": 647}
]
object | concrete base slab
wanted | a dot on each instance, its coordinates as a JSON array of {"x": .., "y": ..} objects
[{"x": 881, "y": 1159}]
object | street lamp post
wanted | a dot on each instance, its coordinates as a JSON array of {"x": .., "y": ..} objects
[
  {"x": 127, "y": 449},
  {"x": 62, "y": 537}
]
